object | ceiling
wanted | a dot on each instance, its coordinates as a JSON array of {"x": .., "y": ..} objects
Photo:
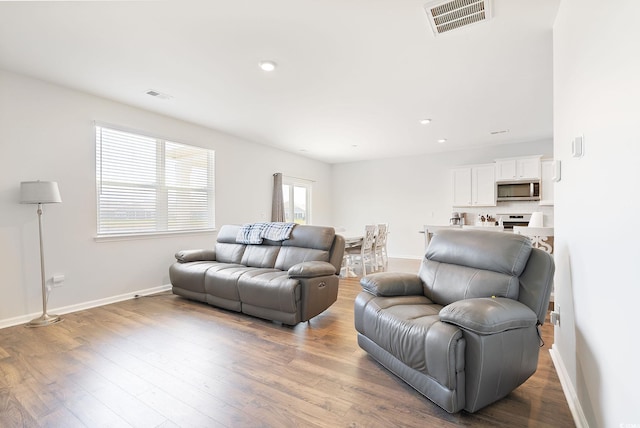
[{"x": 353, "y": 78}]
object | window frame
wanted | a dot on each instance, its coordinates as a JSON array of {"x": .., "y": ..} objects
[
  {"x": 161, "y": 187},
  {"x": 299, "y": 182}
]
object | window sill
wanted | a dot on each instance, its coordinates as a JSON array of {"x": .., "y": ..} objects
[{"x": 152, "y": 235}]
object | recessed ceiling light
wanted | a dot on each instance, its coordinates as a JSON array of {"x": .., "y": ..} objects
[
  {"x": 442, "y": 140},
  {"x": 267, "y": 65},
  {"x": 425, "y": 121}
]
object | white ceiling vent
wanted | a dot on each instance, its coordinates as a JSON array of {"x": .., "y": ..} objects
[
  {"x": 157, "y": 94},
  {"x": 448, "y": 15}
]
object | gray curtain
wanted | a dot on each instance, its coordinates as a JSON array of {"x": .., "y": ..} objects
[{"x": 277, "y": 204}]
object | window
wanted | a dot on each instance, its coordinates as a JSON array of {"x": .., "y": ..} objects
[
  {"x": 297, "y": 200},
  {"x": 149, "y": 185}
]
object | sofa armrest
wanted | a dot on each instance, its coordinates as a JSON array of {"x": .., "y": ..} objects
[
  {"x": 392, "y": 284},
  {"x": 185, "y": 256},
  {"x": 488, "y": 315},
  {"x": 311, "y": 269}
]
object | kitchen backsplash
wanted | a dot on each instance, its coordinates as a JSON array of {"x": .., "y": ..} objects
[{"x": 515, "y": 207}]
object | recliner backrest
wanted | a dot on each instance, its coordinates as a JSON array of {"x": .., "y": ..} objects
[
  {"x": 467, "y": 264},
  {"x": 536, "y": 282},
  {"x": 307, "y": 243},
  {"x": 227, "y": 250}
]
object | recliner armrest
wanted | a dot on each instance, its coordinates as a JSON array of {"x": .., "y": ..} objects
[
  {"x": 392, "y": 284},
  {"x": 488, "y": 315},
  {"x": 311, "y": 269},
  {"x": 185, "y": 256}
]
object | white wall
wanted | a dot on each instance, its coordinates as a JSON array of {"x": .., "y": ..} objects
[
  {"x": 409, "y": 192},
  {"x": 46, "y": 132},
  {"x": 596, "y": 94}
]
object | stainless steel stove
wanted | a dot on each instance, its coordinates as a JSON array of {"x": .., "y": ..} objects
[{"x": 510, "y": 220}]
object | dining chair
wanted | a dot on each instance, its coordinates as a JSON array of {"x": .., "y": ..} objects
[
  {"x": 541, "y": 237},
  {"x": 364, "y": 253},
  {"x": 380, "y": 246}
]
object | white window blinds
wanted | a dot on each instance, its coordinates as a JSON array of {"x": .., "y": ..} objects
[{"x": 149, "y": 185}]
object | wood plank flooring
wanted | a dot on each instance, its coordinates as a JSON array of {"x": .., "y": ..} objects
[{"x": 164, "y": 361}]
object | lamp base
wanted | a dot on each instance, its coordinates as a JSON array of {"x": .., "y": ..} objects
[{"x": 44, "y": 320}]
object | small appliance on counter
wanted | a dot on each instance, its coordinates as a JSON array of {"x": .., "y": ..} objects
[
  {"x": 510, "y": 220},
  {"x": 457, "y": 219}
]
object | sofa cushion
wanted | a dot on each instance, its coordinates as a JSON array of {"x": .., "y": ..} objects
[
  {"x": 189, "y": 276},
  {"x": 316, "y": 237},
  {"x": 271, "y": 289},
  {"x": 306, "y": 243},
  {"x": 221, "y": 281},
  {"x": 229, "y": 253},
  {"x": 262, "y": 256}
]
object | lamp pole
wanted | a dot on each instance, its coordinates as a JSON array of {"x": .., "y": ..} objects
[{"x": 44, "y": 319}]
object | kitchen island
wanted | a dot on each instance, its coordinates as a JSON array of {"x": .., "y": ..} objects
[{"x": 429, "y": 229}]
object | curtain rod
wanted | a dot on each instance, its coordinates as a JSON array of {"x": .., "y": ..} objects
[{"x": 297, "y": 178}]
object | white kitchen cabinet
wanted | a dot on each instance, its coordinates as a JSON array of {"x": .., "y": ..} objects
[
  {"x": 461, "y": 187},
  {"x": 518, "y": 168},
  {"x": 474, "y": 186},
  {"x": 546, "y": 182}
]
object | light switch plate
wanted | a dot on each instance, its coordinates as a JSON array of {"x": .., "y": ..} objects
[
  {"x": 577, "y": 147},
  {"x": 556, "y": 171}
]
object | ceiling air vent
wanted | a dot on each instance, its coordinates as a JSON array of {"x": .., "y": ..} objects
[
  {"x": 448, "y": 15},
  {"x": 157, "y": 94}
]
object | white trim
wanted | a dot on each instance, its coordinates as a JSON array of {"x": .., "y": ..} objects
[
  {"x": 23, "y": 319},
  {"x": 569, "y": 392},
  {"x": 134, "y": 236}
]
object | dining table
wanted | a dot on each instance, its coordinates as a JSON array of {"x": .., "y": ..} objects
[{"x": 351, "y": 239}]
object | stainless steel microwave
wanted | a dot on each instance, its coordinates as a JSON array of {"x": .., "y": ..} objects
[{"x": 518, "y": 190}]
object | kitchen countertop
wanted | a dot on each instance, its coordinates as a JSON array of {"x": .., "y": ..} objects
[{"x": 491, "y": 227}]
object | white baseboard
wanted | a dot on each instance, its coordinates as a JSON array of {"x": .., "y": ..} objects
[
  {"x": 569, "y": 392},
  {"x": 23, "y": 319},
  {"x": 405, "y": 256}
]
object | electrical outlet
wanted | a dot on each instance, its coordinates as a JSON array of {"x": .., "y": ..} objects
[
  {"x": 57, "y": 280},
  {"x": 554, "y": 316}
]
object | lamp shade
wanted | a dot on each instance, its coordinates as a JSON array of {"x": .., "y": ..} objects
[
  {"x": 39, "y": 192},
  {"x": 536, "y": 219}
]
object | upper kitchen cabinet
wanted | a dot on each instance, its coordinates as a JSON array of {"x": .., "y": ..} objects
[
  {"x": 474, "y": 186},
  {"x": 547, "y": 168},
  {"x": 525, "y": 168}
]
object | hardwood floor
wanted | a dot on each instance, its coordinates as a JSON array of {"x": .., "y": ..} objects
[{"x": 163, "y": 361}]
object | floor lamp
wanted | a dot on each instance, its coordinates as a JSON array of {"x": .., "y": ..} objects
[{"x": 41, "y": 192}]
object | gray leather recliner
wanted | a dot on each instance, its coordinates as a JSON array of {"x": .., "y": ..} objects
[{"x": 464, "y": 330}]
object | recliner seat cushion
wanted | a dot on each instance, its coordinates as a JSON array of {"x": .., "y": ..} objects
[
  {"x": 409, "y": 328},
  {"x": 270, "y": 289},
  {"x": 223, "y": 282}
]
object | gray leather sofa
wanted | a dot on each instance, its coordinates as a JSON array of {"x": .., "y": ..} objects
[
  {"x": 288, "y": 281},
  {"x": 464, "y": 330}
]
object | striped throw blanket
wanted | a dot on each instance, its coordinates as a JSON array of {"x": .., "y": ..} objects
[{"x": 254, "y": 233}]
